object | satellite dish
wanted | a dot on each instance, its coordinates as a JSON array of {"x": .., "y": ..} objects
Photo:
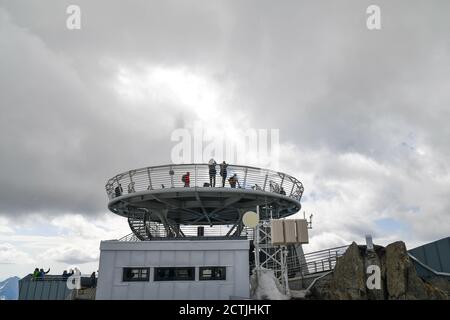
[{"x": 250, "y": 219}]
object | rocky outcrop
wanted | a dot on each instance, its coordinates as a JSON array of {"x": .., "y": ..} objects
[
  {"x": 441, "y": 283},
  {"x": 390, "y": 265},
  {"x": 402, "y": 281},
  {"x": 350, "y": 272}
]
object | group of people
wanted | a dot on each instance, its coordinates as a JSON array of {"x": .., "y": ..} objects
[
  {"x": 39, "y": 273},
  {"x": 233, "y": 180},
  {"x": 212, "y": 166}
]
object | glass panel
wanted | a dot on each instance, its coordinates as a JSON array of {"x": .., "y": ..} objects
[
  {"x": 171, "y": 274},
  {"x": 135, "y": 274},
  {"x": 212, "y": 273},
  {"x": 207, "y": 273}
]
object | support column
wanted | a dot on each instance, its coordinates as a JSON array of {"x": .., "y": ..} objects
[
  {"x": 239, "y": 224},
  {"x": 162, "y": 215}
]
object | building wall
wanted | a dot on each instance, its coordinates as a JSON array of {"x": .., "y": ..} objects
[
  {"x": 435, "y": 255},
  {"x": 115, "y": 255},
  {"x": 43, "y": 289}
]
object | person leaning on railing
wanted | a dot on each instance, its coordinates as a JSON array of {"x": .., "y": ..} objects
[
  {"x": 35, "y": 274},
  {"x": 42, "y": 273},
  {"x": 39, "y": 273}
]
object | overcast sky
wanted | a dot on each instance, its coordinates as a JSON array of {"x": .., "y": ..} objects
[{"x": 363, "y": 115}]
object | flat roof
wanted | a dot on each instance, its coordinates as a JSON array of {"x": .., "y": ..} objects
[{"x": 175, "y": 245}]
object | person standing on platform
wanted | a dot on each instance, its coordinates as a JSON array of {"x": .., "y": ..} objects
[
  {"x": 118, "y": 190},
  {"x": 186, "y": 179},
  {"x": 42, "y": 273},
  {"x": 223, "y": 172},
  {"x": 212, "y": 172},
  {"x": 36, "y": 274},
  {"x": 171, "y": 173}
]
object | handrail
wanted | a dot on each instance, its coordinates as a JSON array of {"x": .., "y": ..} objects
[
  {"x": 306, "y": 292},
  {"x": 313, "y": 283},
  {"x": 190, "y": 232},
  {"x": 29, "y": 277},
  {"x": 314, "y": 262},
  {"x": 438, "y": 273},
  {"x": 131, "y": 237},
  {"x": 169, "y": 176},
  {"x": 326, "y": 260},
  {"x": 324, "y": 252}
]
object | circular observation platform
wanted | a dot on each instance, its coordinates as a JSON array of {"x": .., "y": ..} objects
[{"x": 158, "y": 203}]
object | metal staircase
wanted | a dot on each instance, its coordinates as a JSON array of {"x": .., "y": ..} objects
[
  {"x": 145, "y": 230},
  {"x": 139, "y": 228},
  {"x": 315, "y": 262}
]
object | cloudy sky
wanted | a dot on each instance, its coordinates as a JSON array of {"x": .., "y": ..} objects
[{"x": 363, "y": 115}]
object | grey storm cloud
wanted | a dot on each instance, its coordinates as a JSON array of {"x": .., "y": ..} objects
[{"x": 309, "y": 68}]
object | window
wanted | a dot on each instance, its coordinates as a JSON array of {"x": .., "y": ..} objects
[
  {"x": 213, "y": 273},
  {"x": 173, "y": 274},
  {"x": 136, "y": 274}
]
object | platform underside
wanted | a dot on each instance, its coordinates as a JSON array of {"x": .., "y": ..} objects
[{"x": 201, "y": 206}]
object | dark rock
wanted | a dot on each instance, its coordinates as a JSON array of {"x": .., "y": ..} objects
[
  {"x": 397, "y": 262},
  {"x": 440, "y": 283},
  {"x": 399, "y": 279},
  {"x": 402, "y": 280},
  {"x": 348, "y": 280}
]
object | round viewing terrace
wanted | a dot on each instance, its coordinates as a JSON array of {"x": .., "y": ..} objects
[{"x": 158, "y": 195}]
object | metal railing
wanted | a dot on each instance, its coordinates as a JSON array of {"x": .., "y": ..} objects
[
  {"x": 48, "y": 278},
  {"x": 170, "y": 176},
  {"x": 158, "y": 231},
  {"x": 315, "y": 262},
  {"x": 29, "y": 277},
  {"x": 427, "y": 267}
]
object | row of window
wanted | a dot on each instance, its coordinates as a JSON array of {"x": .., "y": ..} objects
[{"x": 173, "y": 273}]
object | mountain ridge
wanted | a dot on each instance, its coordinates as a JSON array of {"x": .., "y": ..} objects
[{"x": 9, "y": 288}]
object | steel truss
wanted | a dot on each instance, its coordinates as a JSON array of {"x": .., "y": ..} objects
[{"x": 268, "y": 256}]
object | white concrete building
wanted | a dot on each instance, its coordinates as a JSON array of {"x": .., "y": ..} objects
[
  {"x": 174, "y": 269},
  {"x": 177, "y": 249}
]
